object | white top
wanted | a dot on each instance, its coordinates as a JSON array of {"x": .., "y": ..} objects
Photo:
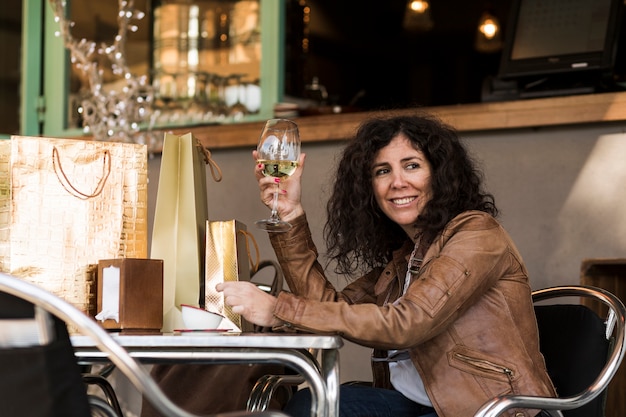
[
  {"x": 407, "y": 381},
  {"x": 404, "y": 377}
]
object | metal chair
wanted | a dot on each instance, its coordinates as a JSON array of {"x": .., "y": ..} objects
[
  {"x": 582, "y": 352},
  {"x": 66, "y": 313}
]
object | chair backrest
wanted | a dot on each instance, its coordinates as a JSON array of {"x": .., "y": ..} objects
[
  {"x": 40, "y": 376},
  {"x": 575, "y": 348},
  {"x": 582, "y": 353}
]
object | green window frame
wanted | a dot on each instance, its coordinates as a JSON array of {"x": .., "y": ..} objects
[{"x": 45, "y": 68}]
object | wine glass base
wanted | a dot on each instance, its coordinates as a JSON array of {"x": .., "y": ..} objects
[{"x": 273, "y": 225}]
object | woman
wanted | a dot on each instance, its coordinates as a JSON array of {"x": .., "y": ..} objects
[{"x": 444, "y": 298}]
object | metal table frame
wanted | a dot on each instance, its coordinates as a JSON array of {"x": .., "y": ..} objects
[{"x": 235, "y": 348}]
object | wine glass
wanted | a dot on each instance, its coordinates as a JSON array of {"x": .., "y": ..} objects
[{"x": 278, "y": 151}]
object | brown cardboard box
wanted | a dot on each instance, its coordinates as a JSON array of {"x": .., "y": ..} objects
[{"x": 140, "y": 292}]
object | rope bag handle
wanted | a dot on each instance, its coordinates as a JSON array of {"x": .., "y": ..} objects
[
  {"x": 67, "y": 184},
  {"x": 254, "y": 264},
  {"x": 216, "y": 171}
]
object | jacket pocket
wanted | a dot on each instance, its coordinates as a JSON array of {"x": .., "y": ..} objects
[{"x": 494, "y": 374}]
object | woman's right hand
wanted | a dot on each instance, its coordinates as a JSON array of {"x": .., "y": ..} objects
[{"x": 289, "y": 203}]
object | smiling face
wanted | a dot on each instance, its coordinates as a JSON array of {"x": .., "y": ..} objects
[{"x": 401, "y": 178}]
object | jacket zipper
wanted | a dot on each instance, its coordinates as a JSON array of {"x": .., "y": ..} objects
[{"x": 486, "y": 365}]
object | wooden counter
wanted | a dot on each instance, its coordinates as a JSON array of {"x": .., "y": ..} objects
[{"x": 553, "y": 111}]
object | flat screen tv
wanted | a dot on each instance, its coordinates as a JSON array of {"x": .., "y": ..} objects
[{"x": 545, "y": 37}]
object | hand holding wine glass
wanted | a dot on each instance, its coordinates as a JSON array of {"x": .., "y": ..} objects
[{"x": 278, "y": 150}]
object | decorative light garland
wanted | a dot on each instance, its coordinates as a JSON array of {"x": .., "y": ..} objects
[{"x": 110, "y": 114}]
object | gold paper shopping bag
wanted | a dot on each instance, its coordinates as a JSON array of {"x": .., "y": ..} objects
[
  {"x": 228, "y": 258},
  {"x": 180, "y": 217},
  {"x": 65, "y": 204}
]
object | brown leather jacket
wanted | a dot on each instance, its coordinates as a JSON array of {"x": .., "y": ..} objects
[{"x": 467, "y": 318}]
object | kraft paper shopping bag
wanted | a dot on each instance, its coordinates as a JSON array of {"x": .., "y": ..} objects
[{"x": 65, "y": 204}]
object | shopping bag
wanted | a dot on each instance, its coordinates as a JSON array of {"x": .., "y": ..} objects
[
  {"x": 228, "y": 258},
  {"x": 65, "y": 204},
  {"x": 180, "y": 216}
]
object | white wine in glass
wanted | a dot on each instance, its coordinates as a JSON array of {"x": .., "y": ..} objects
[{"x": 278, "y": 151}]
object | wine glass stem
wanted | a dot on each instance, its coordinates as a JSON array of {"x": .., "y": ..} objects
[{"x": 274, "y": 215}]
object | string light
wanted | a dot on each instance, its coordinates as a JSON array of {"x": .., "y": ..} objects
[{"x": 109, "y": 113}]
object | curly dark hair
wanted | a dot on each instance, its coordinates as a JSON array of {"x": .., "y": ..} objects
[{"x": 359, "y": 236}]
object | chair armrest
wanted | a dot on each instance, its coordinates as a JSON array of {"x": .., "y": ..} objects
[{"x": 498, "y": 405}]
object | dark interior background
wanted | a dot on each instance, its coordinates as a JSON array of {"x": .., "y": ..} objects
[{"x": 360, "y": 52}]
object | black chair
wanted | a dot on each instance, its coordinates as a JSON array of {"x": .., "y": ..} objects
[
  {"x": 582, "y": 351},
  {"x": 43, "y": 379}
]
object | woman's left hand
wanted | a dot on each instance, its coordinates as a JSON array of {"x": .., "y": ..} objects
[{"x": 245, "y": 298}]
